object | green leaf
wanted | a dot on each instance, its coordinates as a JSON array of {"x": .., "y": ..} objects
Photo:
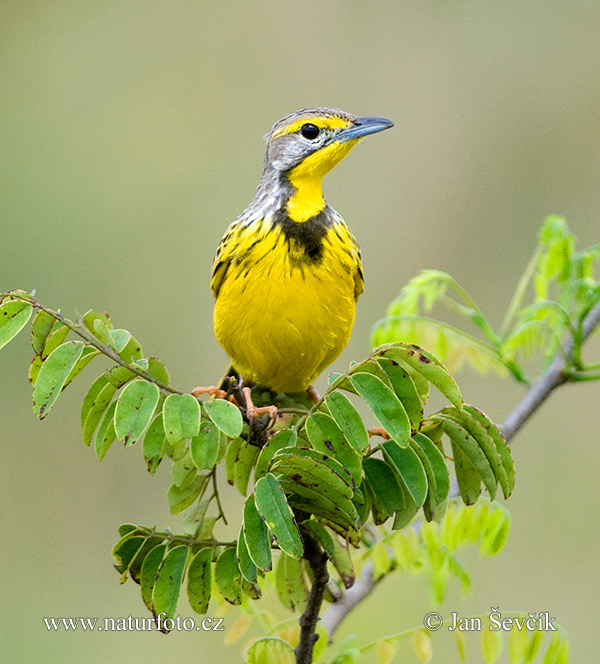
[
  {"x": 228, "y": 578},
  {"x": 154, "y": 443},
  {"x": 226, "y": 416},
  {"x": 183, "y": 470},
  {"x": 491, "y": 644},
  {"x": 256, "y": 534},
  {"x": 438, "y": 478},
  {"x": 349, "y": 420},
  {"x": 118, "y": 339},
  {"x": 53, "y": 375},
  {"x": 158, "y": 370},
  {"x": 206, "y": 445},
  {"x": 57, "y": 335},
  {"x": 342, "y": 515},
  {"x": 126, "y": 548},
  {"x": 278, "y": 441},
  {"x": 517, "y": 645},
  {"x": 181, "y": 415},
  {"x": 125, "y": 528},
  {"x": 385, "y": 406},
  {"x": 34, "y": 368},
  {"x": 273, "y": 507},
  {"x": 89, "y": 353},
  {"x": 40, "y": 329},
  {"x": 450, "y": 344},
  {"x": 469, "y": 480},
  {"x": 316, "y": 470},
  {"x": 405, "y": 461},
  {"x": 119, "y": 375},
  {"x": 327, "y": 437},
  {"x": 101, "y": 330},
  {"x": 405, "y": 390},
  {"x": 244, "y": 463},
  {"x": 132, "y": 351},
  {"x": 407, "y": 513},
  {"x": 463, "y": 440},
  {"x": 135, "y": 407},
  {"x": 247, "y": 567},
  {"x": 428, "y": 366},
  {"x": 149, "y": 571},
  {"x": 90, "y": 316},
  {"x": 180, "y": 498},
  {"x": 199, "y": 580},
  {"x": 135, "y": 567},
  {"x": 318, "y": 484},
  {"x": 505, "y": 456},
  {"x": 270, "y": 650},
  {"x": 533, "y": 646},
  {"x": 483, "y": 439},
  {"x": 290, "y": 581},
  {"x": 106, "y": 435},
  {"x": 96, "y": 401},
  {"x": 387, "y": 495},
  {"x": 230, "y": 458},
  {"x": 168, "y": 582}
]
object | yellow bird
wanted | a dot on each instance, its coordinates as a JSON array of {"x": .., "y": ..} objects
[{"x": 287, "y": 273}]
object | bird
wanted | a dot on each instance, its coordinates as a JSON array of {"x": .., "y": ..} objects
[{"x": 288, "y": 272}]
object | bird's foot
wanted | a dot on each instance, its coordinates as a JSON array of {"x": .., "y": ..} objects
[
  {"x": 252, "y": 411},
  {"x": 210, "y": 389}
]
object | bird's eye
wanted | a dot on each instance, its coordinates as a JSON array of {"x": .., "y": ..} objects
[{"x": 310, "y": 131}]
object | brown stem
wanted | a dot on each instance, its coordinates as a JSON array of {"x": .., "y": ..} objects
[{"x": 317, "y": 559}]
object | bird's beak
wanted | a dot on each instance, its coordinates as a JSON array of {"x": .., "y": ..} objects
[{"x": 362, "y": 127}]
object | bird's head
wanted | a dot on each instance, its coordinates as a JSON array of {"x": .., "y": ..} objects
[{"x": 305, "y": 145}]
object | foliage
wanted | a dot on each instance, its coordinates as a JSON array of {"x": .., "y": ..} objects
[
  {"x": 319, "y": 474},
  {"x": 522, "y": 645},
  {"x": 363, "y": 476},
  {"x": 563, "y": 285}
]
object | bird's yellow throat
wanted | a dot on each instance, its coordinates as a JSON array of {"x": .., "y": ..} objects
[{"x": 306, "y": 178}]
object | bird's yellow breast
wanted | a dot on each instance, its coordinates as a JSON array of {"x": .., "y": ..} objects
[{"x": 285, "y": 307}]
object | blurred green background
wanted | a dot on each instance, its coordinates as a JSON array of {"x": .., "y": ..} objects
[{"x": 131, "y": 136}]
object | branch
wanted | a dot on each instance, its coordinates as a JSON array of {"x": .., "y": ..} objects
[
  {"x": 554, "y": 376},
  {"x": 539, "y": 391},
  {"x": 317, "y": 559},
  {"x": 91, "y": 340}
]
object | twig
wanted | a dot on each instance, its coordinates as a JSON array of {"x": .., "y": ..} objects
[
  {"x": 93, "y": 341},
  {"x": 317, "y": 559},
  {"x": 554, "y": 376}
]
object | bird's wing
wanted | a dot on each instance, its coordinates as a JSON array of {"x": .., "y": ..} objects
[{"x": 223, "y": 257}]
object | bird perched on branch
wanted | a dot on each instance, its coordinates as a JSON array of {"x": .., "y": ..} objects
[{"x": 288, "y": 272}]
